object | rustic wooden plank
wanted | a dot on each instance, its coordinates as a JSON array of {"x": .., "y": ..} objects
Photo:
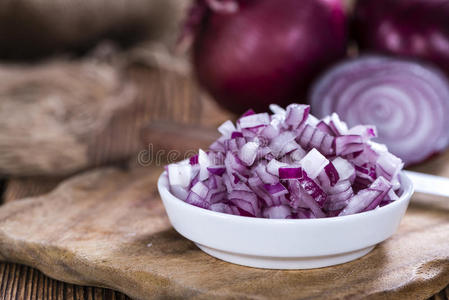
[
  {"x": 26, "y": 283},
  {"x": 29, "y": 282},
  {"x": 18, "y": 188},
  {"x": 113, "y": 250},
  {"x": 442, "y": 295}
]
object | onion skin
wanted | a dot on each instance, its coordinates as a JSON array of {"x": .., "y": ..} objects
[
  {"x": 413, "y": 28},
  {"x": 267, "y": 51},
  {"x": 407, "y": 102}
]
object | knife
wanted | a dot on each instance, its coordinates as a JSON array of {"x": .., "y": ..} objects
[{"x": 429, "y": 184}]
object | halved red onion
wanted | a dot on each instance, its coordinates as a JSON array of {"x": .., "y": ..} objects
[{"x": 406, "y": 101}]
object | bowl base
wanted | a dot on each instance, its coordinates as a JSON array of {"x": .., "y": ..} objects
[{"x": 285, "y": 263}]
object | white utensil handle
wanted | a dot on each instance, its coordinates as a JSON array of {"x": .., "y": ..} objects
[{"x": 429, "y": 184}]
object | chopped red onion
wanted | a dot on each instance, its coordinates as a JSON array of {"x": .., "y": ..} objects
[{"x": 289, "y": 165}]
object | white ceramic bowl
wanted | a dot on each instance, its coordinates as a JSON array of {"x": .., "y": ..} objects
[{"x": 284, "y": 244}]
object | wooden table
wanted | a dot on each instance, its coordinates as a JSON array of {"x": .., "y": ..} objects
[
  {"x": 22, "y": 282},
  {"x": 168, "y": 97}
]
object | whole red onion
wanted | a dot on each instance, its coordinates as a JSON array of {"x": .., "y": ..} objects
[
  {"x": 251, "y": 53},
  {"x": 416, "y": 28}
]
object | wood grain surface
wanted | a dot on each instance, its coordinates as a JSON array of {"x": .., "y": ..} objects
[
  {"x": 186, "y": 105},
  {"x": 108, "y": 228},
  {"x": 23, "y": 282},
  {"x": 161, "y": 97}
]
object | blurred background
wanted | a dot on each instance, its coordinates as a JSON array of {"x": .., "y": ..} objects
[{"x": 93, "y": 82}]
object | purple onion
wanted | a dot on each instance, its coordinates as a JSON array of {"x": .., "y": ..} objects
[
  {"x": 407, "y": 102},
  {"x": 413, "y": 28},
  {"x": 287, "y": 180},
  {"x": 235, "y": 58}
]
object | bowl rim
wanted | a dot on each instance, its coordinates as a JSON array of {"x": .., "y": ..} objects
[{"x": 408, "y": 191}]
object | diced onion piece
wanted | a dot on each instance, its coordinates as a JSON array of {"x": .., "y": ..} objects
[
  {"x": 276, "y": 189},
  {"x": 179, "y": 192},
  {"x": 368, "y": 198},
  {"x": 196, "y": 200},
  {"x": 221, "y": 207},
  {"x": 276, "y": 109},
  {"x": 179, "y": 174},
  {"x": 313, "y": 163},
  {"x": 200, "y": 189},
  {"x": 204, "y": 162},
  {"x": 274, "y": 165},
  {"x": 388, "y": 165},
  {"x": 217, "y": 170},
  {"x": 280, "y": 141},
  {"x": 248, "y": 153},
  {"x": 337, "y": 125},
  {"x": 344, "y": 168},
  {"x": 255, "y": 120},
  {"x": 277, "y": 212},
  {"x": 332, "y": 173},
  {"x": 296, "y": 115},
  {"x": 290, "y": 173},
  {"x": 227, "y": 129}
]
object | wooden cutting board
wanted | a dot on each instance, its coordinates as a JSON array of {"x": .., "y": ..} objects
[{"x": 108, "y": 228}]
